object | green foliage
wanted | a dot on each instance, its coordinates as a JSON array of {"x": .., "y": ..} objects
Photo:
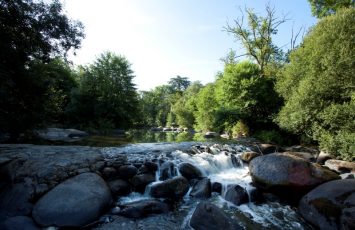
[
  {"x": 179, "y": 84},
  {"x": 207, "y": 107},
  {"x": 106, "y": 94},
  {"x": 31, "y": 32},
  {"x": 269, "y": 136},
  {"x": 318, "y": 85},
  {"x": 257, "y": 36},
  {"x": 244, "y": 92},
  {"x": 240, "y": 129},
  {"x": 322, "y": 8}
]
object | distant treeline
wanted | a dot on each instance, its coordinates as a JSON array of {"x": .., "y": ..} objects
[{"x": 305, "y": 94}]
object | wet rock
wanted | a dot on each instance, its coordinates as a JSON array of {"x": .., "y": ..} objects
[
  {"x": 268, "y": 148},
  {"x": 217, "y": 187},
  {"x": 256, "y": 196},
  {"x": 330, "y": 205},
  {"x": 340, "y": 166},
  {"x": 151, "y": 166},
  {"x": 167, "y": 170},
  {"x": 174, "y": 188},
  {"x": 208, "y": 216},
  {"x": 139, "y": 182},
  {"x": 18, "y": 223},
  {"x": 127, "y": 171},
  {"x": 323, "y": 157},
  {"x": 201, "y": 188},
  {"x": 236, "y": 195},
  {"x": 143, "y": 208},
  {"x": 119, "y": 222},
  {"x": 119, "y": 187},
  {"x": 288, "y": 175},
  {"x": 109, "y": 172},
  {"x": 235, "y": 161},
  {"x": 248, "y": 156},
  {"x": 73, "y": 203},
  {"x": 189, "y": 171}
]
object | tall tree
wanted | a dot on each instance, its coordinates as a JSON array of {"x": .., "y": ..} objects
[
  {"x": 179, "y": 84},
  {"x": 107, "y": 97},
  {"x": 30, "y": 30},
  {"x": 257, "y": 36},
  {"x": 322, "y": 8}
]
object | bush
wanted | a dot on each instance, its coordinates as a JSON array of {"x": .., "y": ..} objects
[{"x": 240, "y": 130}]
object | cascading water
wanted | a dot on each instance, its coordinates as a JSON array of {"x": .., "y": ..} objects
[{"x": 221, "y": 164}]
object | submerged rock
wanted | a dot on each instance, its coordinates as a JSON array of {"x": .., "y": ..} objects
[
  {"x": 189, "y": 171},
  {"x": 237, "y": 195},
  {"x": 174, "y": 188},
  {"x": 73, "y": 203},
  {"x": 201, "y": 189},
  {"x": 288, "y": 175},
  {"x": 330, "y": 205},
  {"x": 143, "y": 208},
  {"x": 208, "y": 216}
]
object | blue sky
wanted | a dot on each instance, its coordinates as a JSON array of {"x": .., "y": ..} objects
[{"x": 166, "y": 38}]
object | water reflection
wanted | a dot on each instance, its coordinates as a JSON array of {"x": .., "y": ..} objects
[{"x": 144, "y": 136}]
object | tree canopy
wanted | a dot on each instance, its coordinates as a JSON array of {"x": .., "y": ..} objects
[
  {"x": 322, "y": 8},
  {"x": 31, "y": 32},
  {"x": 318, "y": 85}
]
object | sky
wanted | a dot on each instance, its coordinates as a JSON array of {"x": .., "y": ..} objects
[{"x": 166, "y": 38}]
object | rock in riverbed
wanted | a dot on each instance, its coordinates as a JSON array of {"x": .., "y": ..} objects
[{"x": 73, "y": 203}]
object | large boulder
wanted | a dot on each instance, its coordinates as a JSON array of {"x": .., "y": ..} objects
[
  {"x": 208, "y": 216},
  {"x": 73, "y": 203},
  {"x": 174, "y": 188},
  {"x": 237, "y": 195},
  {"x": 330, "y": 205},
  {"x": 189, "y": 171},
  {"x": 287, "y": 174},
  {"x": 201, "y": 188},
  {"x": 143, "y": 208}
]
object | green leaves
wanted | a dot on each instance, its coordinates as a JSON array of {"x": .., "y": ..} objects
[{"x": 318, "y": 85}]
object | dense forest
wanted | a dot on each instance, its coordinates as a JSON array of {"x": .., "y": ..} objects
[{"x": 304, "y": 94}]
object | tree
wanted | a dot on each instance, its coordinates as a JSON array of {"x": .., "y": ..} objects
[
  {"x": 185, "y": 107},
  {"x": 257, "y": 38},
  {"x": 107, "y": 98},
  {"x": 179, "y": 84},
  {"x": 318, "y": 85},
  {"x": 322, "y": 8},
  {"x": 245, "y": 94},
  {"x": 31, "y": 31}
]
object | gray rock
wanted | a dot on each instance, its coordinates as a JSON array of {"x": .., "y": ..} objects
[
  {"x": 209, "y": 217},
  {"x": 268, "y": 148},
  {"x": 330, "y": 205},
  {"x": 174, "y": 188},
  {"x": 288, "y": 174},
  {"x": 201, "y": 188},
  {"x": 109, "y": 172},
  {"x": 236, "y": 195},
  {"x": 143, "y": 208},
  {"x": 119, "y": 187},
  {"x": 307, "y": 156},
  {"x": 127, "y": 171},
  {"x": 189, "y": 171},
  {"x": 56, "y": 134},
  {"x": 139, "y": 182},
  {"x": 217, "y": 187},
  {"x": 73, "y": 203},
  {"x": 323, "y": 157},
  {"x": 18, "y": 223}
]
